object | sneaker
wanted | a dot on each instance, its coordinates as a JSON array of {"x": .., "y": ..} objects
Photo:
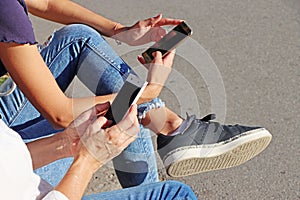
[{"x": 206, "y": 145}]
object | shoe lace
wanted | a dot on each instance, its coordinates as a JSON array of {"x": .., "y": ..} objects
[
  {"x": 208, "y": 121},
  {"x": 212, "y": 116}
]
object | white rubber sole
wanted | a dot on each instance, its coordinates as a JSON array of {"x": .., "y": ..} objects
[{"x": 195, "y": 159}]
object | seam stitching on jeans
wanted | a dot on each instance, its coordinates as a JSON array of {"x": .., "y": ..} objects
[
  {"x": 13, "y": 119},
  {"x": 102, "y": 55}
]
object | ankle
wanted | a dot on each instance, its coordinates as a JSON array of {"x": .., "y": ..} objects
[{"x": 171, "y": 126}]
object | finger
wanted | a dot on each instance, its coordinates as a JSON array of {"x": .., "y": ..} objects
[
  {"x": 129, "y": 118},
  {"x": 155, "y": 20},
  {"x": 107, "y": 124},
  {"x": 132, "y": 110},
  {"x": 141, "y": 59},
  {"x": 134, "y": 129},
  {"x": 98, "y": 109},
  {"x": 169, "y": 57},
  {"x": 123, "y": 137},
  {"x": 126, "y": 142},
  {"x": 128, "y": 136},
  {"x": 126, "y": 122},
  {"x": 143, "y": 62},
  {"x": 157, "y": 57},
  {"x": 150, "y": 21},
  {"x": 102, "y": 121},
  {"x": 168, "y": 21},
  {"x": 97, "y": 125},
  {"x": 118, "y": 136},
  {"x": 135, "y": 126},
  {"x": 102, "y": 108}
]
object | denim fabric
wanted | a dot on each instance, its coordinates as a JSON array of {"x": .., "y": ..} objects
[
  {"x": 169, "y": 190},
  {"x": 78, "y": 50},
  {"x": 144, "y": 108}
]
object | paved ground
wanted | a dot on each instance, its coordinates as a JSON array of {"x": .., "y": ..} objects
[{"x": 256, "y": 48}]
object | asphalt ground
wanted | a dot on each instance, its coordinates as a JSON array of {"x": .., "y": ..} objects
[{"x": 241, "y": 63}]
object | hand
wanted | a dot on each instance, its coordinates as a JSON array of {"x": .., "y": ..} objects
[
  {"x": 100, "y": 145},
  {"x": 160, "y": 68},
  {"x": 158, "y": 72},
  {"x": 78, "y": 127},
  {"x": 145, "y": 31}
]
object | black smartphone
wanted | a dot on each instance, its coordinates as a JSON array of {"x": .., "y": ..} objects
[
  {"x": 169, "y": 41},
  {"x": 128, "y": 95}
]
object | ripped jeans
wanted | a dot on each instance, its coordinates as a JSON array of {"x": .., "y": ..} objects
[{"x": 78, "y": 50}]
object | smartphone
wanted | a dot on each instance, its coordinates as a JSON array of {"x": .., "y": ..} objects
[
  {"x": 129, "y": 94},
  {"x": 169, "y": 41}
]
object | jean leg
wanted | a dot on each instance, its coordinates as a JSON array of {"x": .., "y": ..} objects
[
  {"x": 80, "y": 50},
  {"x": 168, "y": 190},
  {"x": 136, "y": 165}
]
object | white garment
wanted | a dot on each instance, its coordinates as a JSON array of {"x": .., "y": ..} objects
[{"x": 17, "y": 180}]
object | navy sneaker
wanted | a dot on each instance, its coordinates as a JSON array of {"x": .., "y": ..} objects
[{"x": 206, "y": 145}]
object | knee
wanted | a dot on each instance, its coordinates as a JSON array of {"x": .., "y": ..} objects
[
  {"x": 179, "y": 190},
  {"x": 82, "y": 28},
  {"x": 80, "y": 31}
]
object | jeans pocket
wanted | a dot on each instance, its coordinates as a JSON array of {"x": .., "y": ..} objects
[{"x": 7, "y": 87}]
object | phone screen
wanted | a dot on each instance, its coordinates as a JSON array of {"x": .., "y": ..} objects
[
  {"x": 169, "y": 41},
  {"x": 129, "y": 94}
]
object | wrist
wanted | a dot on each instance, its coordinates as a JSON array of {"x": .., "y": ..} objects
[
  {"x": 86, "y": 162},
  {"x": 63, "y": 146},
  {"x": 118, "y": 29},
  {"x": 151, "y": 91},
  {"x": 76, "y": 179}
]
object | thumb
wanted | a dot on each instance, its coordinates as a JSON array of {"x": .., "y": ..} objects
[
  {"x": 102, "y": 121},
  {"x": 157, "y": 57},
  {"x": 96, "y": 126},
  {"x": 156, "y": 19}
]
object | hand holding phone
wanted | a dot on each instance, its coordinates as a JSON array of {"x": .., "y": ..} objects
[
  {"x": 128, "y": 95},
  {"x": 169, "y": 41}
]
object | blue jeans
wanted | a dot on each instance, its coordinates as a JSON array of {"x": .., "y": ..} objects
[
  {"x": 78, "y": 50},
  {"x": 169, "y": 190}
]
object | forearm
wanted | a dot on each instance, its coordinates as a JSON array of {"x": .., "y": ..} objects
[
  {"x": 68, "y": 12},
  {"x": 76, "y": 179},
  {"x": 47, "y": 150},
  {"x": 43, "y": 90},
  {"x": 151, "y": 91},
  {"x": 62, "y": 118},
  {"x": 24, "y": 62},
  {"x": 82, "y": 104},
  {"x": 60, "y": 113}
]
